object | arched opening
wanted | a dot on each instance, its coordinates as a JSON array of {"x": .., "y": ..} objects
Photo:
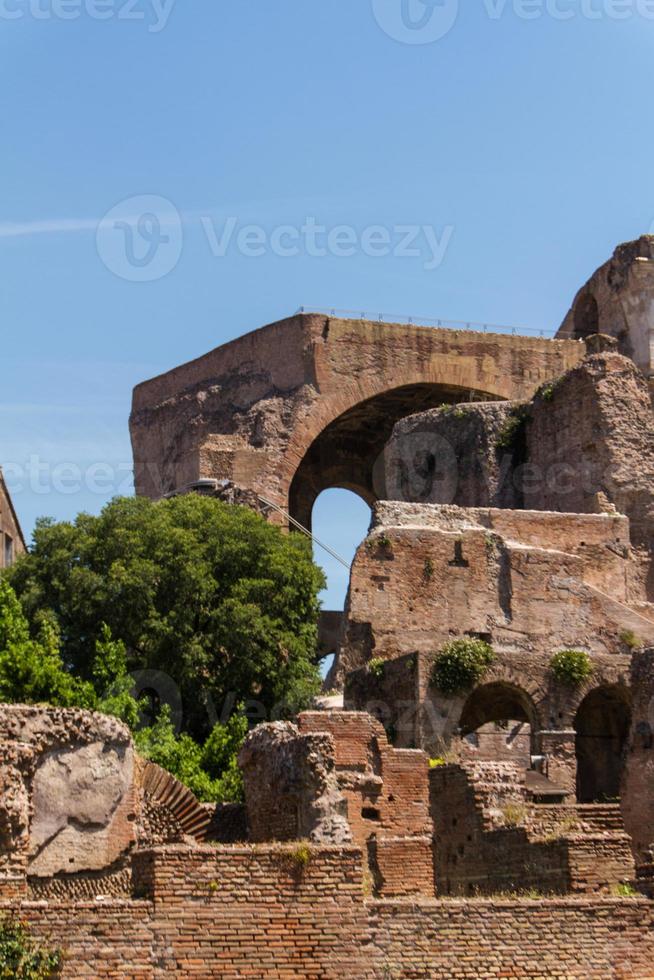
[
  {"x": 498, "y": 723},
  {"x": 340, "y": 520},
  {"x": 602, "y": 726},
  {"x": 586, "y": 316},
  {"x": 345, "y": 452}
]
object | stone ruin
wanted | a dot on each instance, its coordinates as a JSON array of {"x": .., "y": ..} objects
[{"x": 505, "y": 831}]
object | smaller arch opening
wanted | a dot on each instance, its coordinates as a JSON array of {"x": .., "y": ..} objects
[
  {"x": 340, "y": 520},
  {"x": 602, "y": 726},
  {"x": 498, "y": 723},
  {"x": 586, "y": 316}
]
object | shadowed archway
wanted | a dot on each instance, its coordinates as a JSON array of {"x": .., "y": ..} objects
[
  {"x": 602, "y": 727},
  {"x": 586, "y": 317},
  {"x": 344, "y": 454},
  {"x": 499, "y": 721}
]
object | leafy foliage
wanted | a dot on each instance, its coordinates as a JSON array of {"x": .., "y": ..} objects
[
  {"x": 571, "y": 667},
  {"x": 461, "y": 664},
  {"x": 21, "y": 958},
  {"x": 376, "y": 667},
  {"x": 547, "y": 391},
  {"x": 32, "y": 670},
  {"x": 209, "y": 770},
  {"x": 625, "y": 889},
  {"x": 512, "y": 428},
  {"x": 630, "y": 639},
  {"x": 210, "y": 594}
]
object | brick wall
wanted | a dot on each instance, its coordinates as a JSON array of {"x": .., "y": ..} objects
[
  {"x": 387, "y": 794},
  {"x": 489, "y": 839},
  {"x": 611, "y": 939},
  {"x": 402, "y": 866},
  {"x": 260, "y": 913},
  {"x": 230, "y": 912}
]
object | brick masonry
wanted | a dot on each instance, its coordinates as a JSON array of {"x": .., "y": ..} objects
[{"x": 265, "y": 912}]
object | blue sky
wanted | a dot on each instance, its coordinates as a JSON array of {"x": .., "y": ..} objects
[{"x": 524, "y": 144}]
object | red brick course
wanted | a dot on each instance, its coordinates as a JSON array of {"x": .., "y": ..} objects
[{"x": 264, "y": 912}]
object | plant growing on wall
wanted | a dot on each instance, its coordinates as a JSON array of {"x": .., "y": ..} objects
[
  {"x": 571, "y": 667},
  {"x": 461, "y": 664},
  {"x": 630, "y": 639},
  {"x": 547, "y": 391},
  {"x": 514, "y": 423},
  {"x": 21, "y": 957},
  {"x": 376, "y": 667}
]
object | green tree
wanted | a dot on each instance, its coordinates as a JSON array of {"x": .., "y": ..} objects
[
  {"x": 210, "y": 770},
  {"x": 211, "y": 594},
  {"x": 32, "y": 670}
]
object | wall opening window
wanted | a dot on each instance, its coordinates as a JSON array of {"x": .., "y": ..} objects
[
  {"x": 8, "y": 550},
  {"x": 602, "y": 726},
  {"x": 340, "y": 519},
  {"x": 586, "y": 316},
  {"x": 498, "y": 723}
]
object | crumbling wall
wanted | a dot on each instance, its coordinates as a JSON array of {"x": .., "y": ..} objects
[
  {"x": 618, "y": 300},
  {"x": 291, "y": 789},
  {"x": 453, "y": 455},
  {"x": 76, "y": 800},
  {"x": 250, "y": 411},
  {"x": 73, "y": 801},
  {"x": 336, "y": 777},
  {"x": 526, "y": 581},
  {"x": 583, "y": 444},
  {"x": 590, "y": 445},
  {"x": 238, "y": 912},
  {"x": 490, "y": 837},
  {"x": 588, "y": 939}
]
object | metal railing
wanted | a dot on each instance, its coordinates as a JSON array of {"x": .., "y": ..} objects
[{"x": 428, "y": 321}]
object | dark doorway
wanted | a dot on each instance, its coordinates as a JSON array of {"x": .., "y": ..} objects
[
  {"x": 586, "y": 316},
  {"x": 602, "y": 726}
]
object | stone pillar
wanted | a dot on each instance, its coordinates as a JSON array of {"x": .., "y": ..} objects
[{"x": 559, "y": 747}]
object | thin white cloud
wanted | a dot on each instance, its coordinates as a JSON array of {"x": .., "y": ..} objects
[
  {"x": 259, "y": 210},
  {"x": 53, "y": 226},
  {"x": 65, "y": 226}
]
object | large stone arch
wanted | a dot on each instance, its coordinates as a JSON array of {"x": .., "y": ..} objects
[
  {"x": 349, "y": 437},
  {"x": 249, "y": 411}
]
